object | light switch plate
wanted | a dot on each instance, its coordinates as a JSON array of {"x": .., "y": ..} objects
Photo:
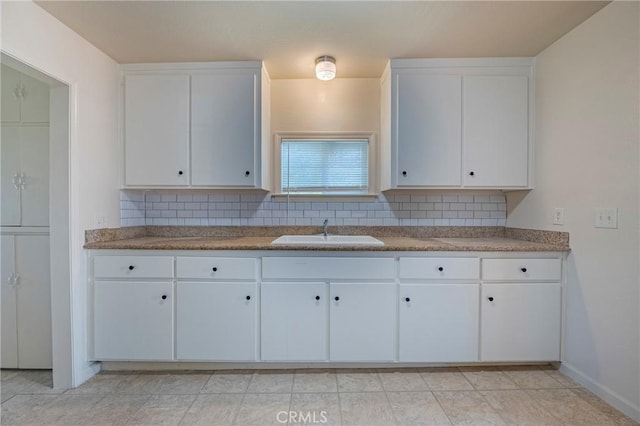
[
  {"x": 558, "y": 216},
  {"x": 606, "y": 217}
]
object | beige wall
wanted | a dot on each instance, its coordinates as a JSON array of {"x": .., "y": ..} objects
[{"x": 587, "y": 113}]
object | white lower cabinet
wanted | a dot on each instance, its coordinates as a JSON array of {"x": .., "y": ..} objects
[
  {"x": 133, "y": 320},
  {"x": 520, "y": 322},
  {"x": 362, "y": 323},
  {"x": 438, "y": 322},
  {"x": 294, "y": 321},
  {"x": 216, "y": 321}
]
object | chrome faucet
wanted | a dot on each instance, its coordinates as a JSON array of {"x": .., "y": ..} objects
[{"x": 325, "y": 228}]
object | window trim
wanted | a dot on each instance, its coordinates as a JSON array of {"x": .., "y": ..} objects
[{"x": 277, "y": 166}]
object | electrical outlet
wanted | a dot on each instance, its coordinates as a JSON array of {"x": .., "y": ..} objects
[
  {"x": 558, "y": 216},
  {"x": 606, "y": 218}
]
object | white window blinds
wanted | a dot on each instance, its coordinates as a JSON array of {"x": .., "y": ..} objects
[{"x": 325, "y": 166}]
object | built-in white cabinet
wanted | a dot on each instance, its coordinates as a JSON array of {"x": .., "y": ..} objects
[
  {"x": 520, "y": 310},
  {"x": 457, "y": 123},
  {"x": 294, "y": 321},
  {"x": 196, "y": 125},
  {"x": 156, "y": 130},
  {"x": 24, "y": 99},
  {"x": 362, "y": 322},
  {"x": 439, "y": 309},
  {"x": 26, "y": 301}
]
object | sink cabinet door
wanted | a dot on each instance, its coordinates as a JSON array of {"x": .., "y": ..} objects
[
  {"x": 294, "y": 321},
  {"x": 216, "y": 321},
  {"x": 363, "y": 322},
  {"x": 438, "y": 322}
]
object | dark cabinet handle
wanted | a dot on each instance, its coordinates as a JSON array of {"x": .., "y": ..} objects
[
  {"x": 472, "y": 173},
  {"x": 440, "y": 268},
  {"x": 404, "y": 173},
  {"x": 214, "y": 269},
  {"x": 523, "y": 269},
  {"x": 317, "y": 297},
  {"x": 247, "y": 173},
  {"x": 131, "y": 267},
  {"x": 490, "y": 298},
  {"x": 180, "y": 172},
  {"x": 248, "y": 297},
  {"x": 164, "y": 297},
  {"x": 407, "y": 299},
  {"x": 337, "y": 298}
]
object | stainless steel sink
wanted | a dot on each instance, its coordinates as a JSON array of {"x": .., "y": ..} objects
[{"x": 329, "y": 240}]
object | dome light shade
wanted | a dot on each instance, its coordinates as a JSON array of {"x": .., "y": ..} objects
[{"x": 325, "y": 68}]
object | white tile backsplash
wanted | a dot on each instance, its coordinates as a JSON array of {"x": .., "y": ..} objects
[{"x": 225, "y": 208}]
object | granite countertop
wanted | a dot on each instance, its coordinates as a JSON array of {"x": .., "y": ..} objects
[{"x": 395, "y": 238}]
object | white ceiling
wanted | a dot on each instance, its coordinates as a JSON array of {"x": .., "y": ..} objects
[{"x": 289, "y": 35}]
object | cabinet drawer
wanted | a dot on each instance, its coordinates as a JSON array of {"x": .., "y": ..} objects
[
  {"x": 216, "y": 268},
  {"x": 440, "y": 268},
  {"x": 328, "y": 268},
  {"x": 133, "y": 267},
  {"x": 521, "y": 269}
]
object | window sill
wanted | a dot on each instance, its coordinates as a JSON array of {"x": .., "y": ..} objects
[{"x": 325, "y": 197}]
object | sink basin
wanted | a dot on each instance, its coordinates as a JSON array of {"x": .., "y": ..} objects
[{"x": 330, "y": 240}]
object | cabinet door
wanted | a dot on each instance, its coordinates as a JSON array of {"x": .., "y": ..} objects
[
  {"x": 520, "y": 322},
  {"x": 496, "y": 131},
  {"x": 216, "y": 321},
  {"x": 10, "y": 169},
  {"x": 34, "y": 102},
  {"x": 429, "y": 109},
  {"x": 10, "y": 93},
  {"x": 362, "y": 322},
  {"x": 156, "y": 130},
  {"x": 33, "y": 301},
  {"x": 133, "y": 320},
  {"x": 294, "y": 321},
  {"x": 224, "y": 129},
  {"x": 8, "y": 293},
  {"x": 438, "y": 322},
  {"x": 34, "y": 149}
]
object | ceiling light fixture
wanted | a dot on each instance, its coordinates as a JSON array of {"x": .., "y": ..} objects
[{"x": 325, "y": 68}]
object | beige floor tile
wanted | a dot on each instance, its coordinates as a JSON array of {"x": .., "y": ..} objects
[
  {"x": 162, "y": 410},
  {"x": 315, "y": 408},
  {"x": 402, "y": 381},
  {"x": 533, "y": 379},
  {"x": 359, "y": 382},
  {"x": 135, "y": 383},
  {"x": 6, "y": 396},
  {"x": 441, "y": 379},
  {"x": 561, "y": 378},
  {"x": 570, "y": 408},
  {"x": 417, "y": 408},
  {"x": 176, "y": 384},
  {"x": 263, "y": 409},
  {"x": 29, "y": 382},
  {"x": 315, "y": 382},
  {"x": 517, "y": 407},
  {"x": 610, "y": 411},
  {"x": 487, "y": 378},
  {"x": 70, "y": 410},
  {"x": 227, "y": 383},
  {"x": 467, "y": 408},
  {"x": 26, "y": 409},
  {"x": 365, "y": 409},
  {"x": 100, "y": 383},
  {"x": 111, "y": 409},
  {"x": 213, "y": 410},
  {"x": 271, "y": 382}
]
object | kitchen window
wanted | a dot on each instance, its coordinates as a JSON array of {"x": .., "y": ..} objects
[{"x": 313, "y": 164}]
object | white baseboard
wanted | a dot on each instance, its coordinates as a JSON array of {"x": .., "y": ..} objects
[
  {"x": 90, "y": 370},
  {"x": 627, "y": 407}
]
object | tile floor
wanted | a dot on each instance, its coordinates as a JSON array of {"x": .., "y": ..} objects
[{"x": 533, "y": 395}]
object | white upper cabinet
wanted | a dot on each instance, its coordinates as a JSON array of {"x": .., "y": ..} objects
[
  {"x": 196, "y": 125},
  {"x": 496, "y": 130},
  {"x": 428, "y": 129},
  {"x": 457, "y": 123},
  {"x": 156, "y": 130}
]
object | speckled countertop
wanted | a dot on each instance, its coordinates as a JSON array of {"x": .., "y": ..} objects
[{"x": 395, "y": 238}]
